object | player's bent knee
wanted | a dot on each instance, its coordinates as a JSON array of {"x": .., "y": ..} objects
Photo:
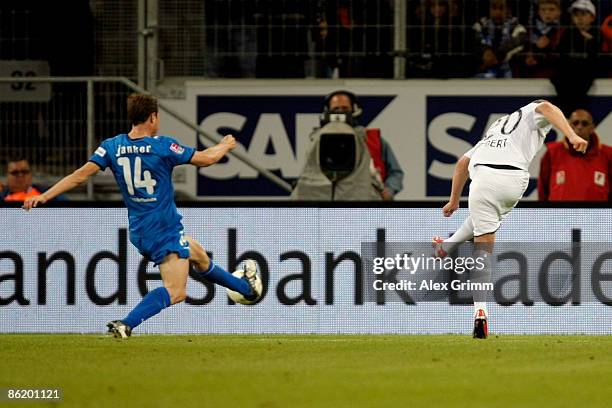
[{"x": 198, "y": 256}]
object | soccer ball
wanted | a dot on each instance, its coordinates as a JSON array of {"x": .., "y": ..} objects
[{"x": 238, "y": 297}]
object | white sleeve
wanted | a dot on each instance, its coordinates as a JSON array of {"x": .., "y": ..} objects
[
  {"x": 470, "y": 152},
  {"x": 535, "y": 119}
]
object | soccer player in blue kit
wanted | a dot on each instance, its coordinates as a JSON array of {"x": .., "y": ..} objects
[{"x": 142, "y": 164}]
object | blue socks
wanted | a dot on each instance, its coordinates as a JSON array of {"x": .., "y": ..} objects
[
  {"x": 220, "y": 276},
  {"x": 154, "y": 302},
  {"x": 158, "y": 299}
]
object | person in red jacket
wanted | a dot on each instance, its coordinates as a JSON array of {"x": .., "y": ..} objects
[{"x": 566, "y": 175}]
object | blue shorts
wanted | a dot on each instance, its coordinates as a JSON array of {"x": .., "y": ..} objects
[{"x": 156, "y": 247}]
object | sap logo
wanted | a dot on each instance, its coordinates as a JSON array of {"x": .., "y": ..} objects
[
  {"x": 273, "y": 130},
  {"x": 440, "y": 136},
  {"x": 271, "y": 145},
  {"x": 455, "y": 124}
]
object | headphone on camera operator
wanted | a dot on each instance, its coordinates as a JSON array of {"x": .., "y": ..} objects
[{"x": 341, "y": 115}]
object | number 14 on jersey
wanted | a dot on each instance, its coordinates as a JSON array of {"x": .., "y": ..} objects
[{"x": 141, "y": 179}]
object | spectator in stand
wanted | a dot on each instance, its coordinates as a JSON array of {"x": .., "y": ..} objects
[
  {"x": 19, "y": 182},
  {"x": 606, "y": 32},
  {"x": 606, "y": 45},
  {"x": 578, "y": 62},
  {"x": 499, "y": 38},
  {"x": 282, "y": 38},
  {"x": 230, "y": 38},
  {"x": 355, "y": 38},
  {"x": 544, "y": 40},
  {"x": 438, "y": 47},
  {"x": 566, "y": 175}
]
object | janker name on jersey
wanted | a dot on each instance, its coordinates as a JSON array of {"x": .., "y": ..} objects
[{"x": 121, "y": 150}]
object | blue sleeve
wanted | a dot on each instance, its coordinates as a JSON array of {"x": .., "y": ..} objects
[
  {"x": 174, "y": 153},
  {"x": 101, "y": 156},
  {"x": 395, "y": 174}
]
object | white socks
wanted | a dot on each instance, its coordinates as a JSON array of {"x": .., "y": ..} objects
[
  {"x": 464, "y": 233},
  {"x": 482, "y": 276}
]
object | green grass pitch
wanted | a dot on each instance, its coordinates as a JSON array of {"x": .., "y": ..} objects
[{"x": 277, "y": 371}]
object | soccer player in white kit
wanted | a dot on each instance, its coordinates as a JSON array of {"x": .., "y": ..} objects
[{"x": 498, "y": 166}]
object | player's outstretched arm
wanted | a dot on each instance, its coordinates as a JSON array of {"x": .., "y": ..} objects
[
  {"x": 556, "y": 118},
  {"x": 459, "y": 178},
  {"x": 210, "y": 156},
  {"x": 69, "y": 182}
]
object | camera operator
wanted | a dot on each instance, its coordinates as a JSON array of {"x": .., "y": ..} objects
[
  {"x": 347, "y": 161},
  {"x": 384, "y": 159}
]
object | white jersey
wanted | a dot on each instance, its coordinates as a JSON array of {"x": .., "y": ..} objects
[{"x": 512, "y": 140}]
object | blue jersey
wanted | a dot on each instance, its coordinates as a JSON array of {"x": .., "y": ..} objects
[{"x": 143, "y": 170}]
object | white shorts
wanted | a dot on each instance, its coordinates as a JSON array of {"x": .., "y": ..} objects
[{"x": 493, "y": 194}]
